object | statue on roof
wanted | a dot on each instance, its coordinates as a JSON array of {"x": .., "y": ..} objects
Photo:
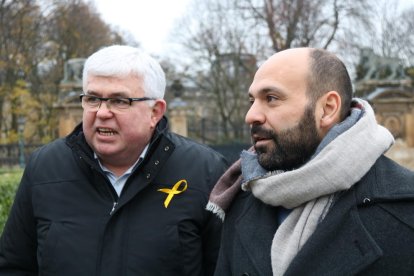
[
  {"x": 375, "y": 67},
  {"x": 73, "y": 70}
]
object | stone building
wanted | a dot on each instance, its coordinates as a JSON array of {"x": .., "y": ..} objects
[
  {"x": 383, "y": 83},
  {"x": 394, "y": 109}
]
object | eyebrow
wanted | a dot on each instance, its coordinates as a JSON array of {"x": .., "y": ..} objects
[
  {"x": 269, "y": 89},
  {"x": 111, "y": 95}
]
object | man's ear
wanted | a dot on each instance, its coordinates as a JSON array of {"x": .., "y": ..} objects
[
  {"x": 329, "y": 110},
  {"x": 158, "y": 110}
]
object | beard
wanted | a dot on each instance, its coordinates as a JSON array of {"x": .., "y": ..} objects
[{"x": 290, "y": 148}]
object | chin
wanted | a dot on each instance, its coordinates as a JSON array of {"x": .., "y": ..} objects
[
  {"x": 260, "y": 149},
  {"x": 104, "y": 150}
]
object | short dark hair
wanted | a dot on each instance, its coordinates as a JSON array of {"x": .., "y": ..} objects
[{"x": 328, "y": 73}]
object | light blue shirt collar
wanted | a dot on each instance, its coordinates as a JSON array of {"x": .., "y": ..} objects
[{"x": 119, "y": 182}]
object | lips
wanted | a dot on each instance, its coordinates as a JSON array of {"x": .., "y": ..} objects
[
  {"x": 258, "y": 133},
  {"x": 257, "y": 139},
  {"x": 106, "y": 131}
]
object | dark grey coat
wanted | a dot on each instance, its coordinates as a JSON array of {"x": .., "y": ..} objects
[{"x": 368, "y": 231}]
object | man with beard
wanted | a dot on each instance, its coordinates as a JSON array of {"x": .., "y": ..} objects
[{"x": 315, "y": 195}]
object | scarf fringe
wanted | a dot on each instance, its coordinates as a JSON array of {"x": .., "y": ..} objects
[{"x": 215, "y": 209}]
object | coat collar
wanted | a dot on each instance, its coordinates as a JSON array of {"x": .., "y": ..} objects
[{"x": 379, "y": 189}]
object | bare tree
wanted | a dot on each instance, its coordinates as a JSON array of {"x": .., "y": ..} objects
[
  {"x": 219, "y": 33},
  {"x": 78, "y": 29},
  {"x": 224, "y": 67},
  {"x": 394, "y": 36},
  {"x": 295, "y": 23}
]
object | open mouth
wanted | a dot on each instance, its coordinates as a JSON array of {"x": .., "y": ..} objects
[
  {"x": 261, "y": 141},
  {"x": 106, "y": 131}
]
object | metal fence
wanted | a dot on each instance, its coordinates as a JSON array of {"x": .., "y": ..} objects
[
  {"x": 231, "y": 151},
  {"x": 16, "y": 154}
]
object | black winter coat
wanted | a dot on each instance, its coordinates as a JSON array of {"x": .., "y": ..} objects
[
  {"x": 368, "y": 231},
  {"x": 68, "y": 220}
]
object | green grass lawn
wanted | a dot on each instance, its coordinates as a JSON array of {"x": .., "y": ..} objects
[{"x": 9, "y": 180}]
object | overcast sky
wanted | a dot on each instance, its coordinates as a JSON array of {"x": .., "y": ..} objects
[{"x": 149, "y": 21}]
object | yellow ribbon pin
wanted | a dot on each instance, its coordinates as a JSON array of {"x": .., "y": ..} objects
[{"x": 174, "y": 191}]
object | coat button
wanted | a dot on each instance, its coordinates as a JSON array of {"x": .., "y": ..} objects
[
  {"x": 166, "y": 148},
  {"x": 366, "y": 200},
  {"x": 148, "y": 175},
  {"x": 156, "y": 162}
]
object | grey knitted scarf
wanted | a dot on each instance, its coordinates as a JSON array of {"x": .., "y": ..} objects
[{"x": 342, "y": 159}]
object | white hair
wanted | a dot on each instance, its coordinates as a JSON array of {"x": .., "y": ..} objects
[{"x": 121, "y": 61}]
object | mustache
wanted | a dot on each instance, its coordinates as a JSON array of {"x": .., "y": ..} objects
[{"x": 261, "y": 132}]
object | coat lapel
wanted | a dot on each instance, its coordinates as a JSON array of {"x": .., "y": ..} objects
[
  {"x": 340, "y": 244},
  {"x": 152, "y": 165},
  {"x": 255, "y": 230}
]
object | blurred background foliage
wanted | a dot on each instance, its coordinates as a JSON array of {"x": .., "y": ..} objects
[
  {"x": 9, "y": 180},
  {"x": 36, "y": 38}
]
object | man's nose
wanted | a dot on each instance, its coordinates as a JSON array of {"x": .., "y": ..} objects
[
  {"x": 104, "y": 108},
  {"x": 255, "y": 115},
  {"x": 106, "y": 105}
]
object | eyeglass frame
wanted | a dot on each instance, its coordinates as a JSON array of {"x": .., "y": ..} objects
[{"x": 102, "y": 99}]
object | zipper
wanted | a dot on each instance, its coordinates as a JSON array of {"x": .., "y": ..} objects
[
  {"x": 112, "y": 193},
  {"x": 113, "y": 208},
  {"x": 108, "y": 185}
]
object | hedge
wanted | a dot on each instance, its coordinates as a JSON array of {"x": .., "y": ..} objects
[{"x": 9, "y": 180}]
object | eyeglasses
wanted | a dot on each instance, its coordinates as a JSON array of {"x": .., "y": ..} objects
[{"x": 93, "y": 103}]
